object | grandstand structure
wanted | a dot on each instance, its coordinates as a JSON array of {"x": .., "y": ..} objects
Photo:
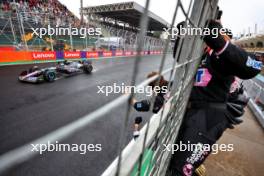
[
  {"x": 252, "y": 43},
  {"x": 123, "y": 20},
  {"x": 17, "y": 18}
]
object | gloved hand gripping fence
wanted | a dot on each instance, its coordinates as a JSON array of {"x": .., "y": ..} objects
[{"x": 237, "y": 101}]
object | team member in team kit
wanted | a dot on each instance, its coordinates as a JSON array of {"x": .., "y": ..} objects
[{"x": 211, "y": 108}]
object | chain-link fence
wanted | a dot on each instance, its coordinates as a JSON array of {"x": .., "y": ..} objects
[
  {"x": 143, "y": 156},
  {"x": 254, "y": 89}
]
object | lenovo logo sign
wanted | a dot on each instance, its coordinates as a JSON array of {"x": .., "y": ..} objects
[
  {"x": 72, "y": 55},
  {"x": 43, "y": 55}
]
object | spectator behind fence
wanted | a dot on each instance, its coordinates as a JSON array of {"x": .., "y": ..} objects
[{"x": 40, "y": 11}]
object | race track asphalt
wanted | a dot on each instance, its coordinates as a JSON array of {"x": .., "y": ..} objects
[{"x": 30, "y": 111}]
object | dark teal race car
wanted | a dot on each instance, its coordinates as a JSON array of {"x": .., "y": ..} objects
[
  {"x": 50, "y": 74},
  {"x": 37, "y": 75}
]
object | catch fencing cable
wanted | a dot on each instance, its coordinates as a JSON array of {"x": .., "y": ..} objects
[
  {"x": 157, "y": 83},
  {"x": 24, "y": 153},
  {"x": 174, "y": 63},
  {"x": 135, "y": 150},
  {"x": 180, "y": 87},
  {"x": 184, "y": 79},
  {"x": 194, "y": 43},
  {"x": 143, "y": 26},
  {"x": 185, "y": 72}
]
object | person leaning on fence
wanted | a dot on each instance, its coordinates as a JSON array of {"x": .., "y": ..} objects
[
  {"x": 209, "y": 113},
  {"x": 162, "y": 86}
]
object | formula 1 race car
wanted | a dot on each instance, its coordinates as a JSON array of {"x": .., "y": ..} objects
[
  {"x": 71, "y": 68},
  {"x": 66, "y": 68},
  {"x": 37, "y": 75}
]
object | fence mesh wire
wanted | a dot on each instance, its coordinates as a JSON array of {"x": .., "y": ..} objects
[
  {"x": 163, "y": 128},
  {"x": 145, "y": 155}
]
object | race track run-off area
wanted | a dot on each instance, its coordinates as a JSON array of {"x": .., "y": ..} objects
[{"x": 30, "y": 111}]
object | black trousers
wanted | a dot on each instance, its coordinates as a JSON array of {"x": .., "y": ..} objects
[{"x": 202, "y": 127}]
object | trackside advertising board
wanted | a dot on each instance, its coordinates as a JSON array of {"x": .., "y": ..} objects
[{"x": 8, "y": 57}]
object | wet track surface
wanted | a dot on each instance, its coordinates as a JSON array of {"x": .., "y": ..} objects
[{"x": 30, "y": 111}]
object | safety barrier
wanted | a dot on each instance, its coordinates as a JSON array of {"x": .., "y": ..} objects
[
  {"x": 143, "y": 156},
  {"x": 256, "y": 93},
  {"x": 19, "y": 57}
]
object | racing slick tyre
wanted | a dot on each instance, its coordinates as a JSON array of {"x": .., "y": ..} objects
[
  {"x": 49, "y": 75},
  {"x": 88, "y": 68}
]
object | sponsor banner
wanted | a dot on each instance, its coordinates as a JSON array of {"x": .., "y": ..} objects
[
  {"x": 119, "y": 53},
  {"x": 92, "y": 54},
  {"x": 72, "y": 55},
  {"x": 47, "y": 55},
  {"x": 59, "y": 55},
  {"x": 128, "y": 53},
  {"x": 14, "y": 56},
  {"x": 27, "y": 56},
  {"x": 100, "y": 53},
  {"x": 107, "y": 54},
  {"x": 83, "y": 54},
  {"x": 6, "y": 48}
]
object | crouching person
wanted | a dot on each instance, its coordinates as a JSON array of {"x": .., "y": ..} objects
[{"x": 160, "y": 89}]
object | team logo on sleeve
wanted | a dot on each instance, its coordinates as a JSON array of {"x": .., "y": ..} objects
[
  {"x": 254, "y": 63},
  {"x": 203, "y": 77}
]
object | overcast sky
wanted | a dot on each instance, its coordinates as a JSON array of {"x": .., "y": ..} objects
[{"x": 238, "y": 15}]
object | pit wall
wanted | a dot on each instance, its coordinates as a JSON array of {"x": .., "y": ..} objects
[{"x": 27, "y": 57}]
